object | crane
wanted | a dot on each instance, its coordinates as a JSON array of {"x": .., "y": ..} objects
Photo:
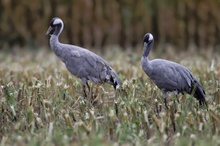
[
  {"x": 170, "y": 76},
  {"x": 81, "y": 62}
]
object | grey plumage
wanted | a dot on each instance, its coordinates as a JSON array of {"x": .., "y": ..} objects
[
  {"x": 170, "y": 76},
  {"x": 81, "y": 62}
]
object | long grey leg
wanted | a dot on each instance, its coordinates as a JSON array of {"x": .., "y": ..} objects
[
  {"x": 84, "y": 91},
  {"x": 87, "y": 86},
  {"x": 165, "y": 98},
  {"x": 84, "y": 83},
  {"x": 176, "y": 93},
  {"x": 89, "y": 89}
]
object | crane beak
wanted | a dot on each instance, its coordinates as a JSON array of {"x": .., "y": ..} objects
[{"x": 49, "y": 30}]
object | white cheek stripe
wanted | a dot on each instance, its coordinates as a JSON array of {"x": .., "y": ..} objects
[
  {"x": 57, "y": 21},
  {"x": 151, "y": 37}
]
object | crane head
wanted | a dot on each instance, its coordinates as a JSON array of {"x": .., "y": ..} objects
[
  {"x": 54, "y": 23},
  {"x": 148, "y": 37}
]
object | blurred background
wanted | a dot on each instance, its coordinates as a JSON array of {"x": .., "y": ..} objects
[{"x": 98, "y": 23}]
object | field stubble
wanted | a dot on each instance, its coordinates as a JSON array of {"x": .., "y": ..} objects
[{"x": 41, "y": 103}]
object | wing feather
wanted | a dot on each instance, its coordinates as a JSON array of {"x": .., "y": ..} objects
[
  {"x": 170, "y": 76},
  {"x": 87, "y": 65}
]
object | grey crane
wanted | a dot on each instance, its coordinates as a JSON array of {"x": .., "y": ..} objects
[
  {"x": 81, "y": 62},
  {"x": 170, "y": 76}
]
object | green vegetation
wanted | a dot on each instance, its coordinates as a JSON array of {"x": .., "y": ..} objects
[{"x": 41, "y": 103}]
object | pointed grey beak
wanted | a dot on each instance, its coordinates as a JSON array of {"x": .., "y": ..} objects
[{"x": 49, "y": 30}]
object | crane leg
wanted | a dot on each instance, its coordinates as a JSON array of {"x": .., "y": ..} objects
[
  {"x": 165, "y": 99},
  {"x": 87, "y": 86},
  {"x": 89, "y": 89},
  {"x": 176, "y": 94},
  {"x": 177, "y": 99},
  {"x": 165, "y": 102},
  {"x": 84, "y": 91}
]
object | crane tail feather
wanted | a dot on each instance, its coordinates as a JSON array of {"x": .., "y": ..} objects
[
  {"x": 199, "y": 93},
  {"x": 115, "y": 80}
]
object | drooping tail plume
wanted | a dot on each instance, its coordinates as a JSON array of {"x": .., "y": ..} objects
[
  {"x": 199, "y": 93},
  {"x": 115, "y": 80}
]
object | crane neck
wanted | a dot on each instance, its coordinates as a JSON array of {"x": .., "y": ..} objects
[
  {"x": 55, "y": 36},
  {"x": 147, "y": 48},
  {"x": 55, "y": 45},
  {"x": 58, "y": 29},
  {"x": 54, "y": 39}
]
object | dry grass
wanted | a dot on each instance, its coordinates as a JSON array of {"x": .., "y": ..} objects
[{"x": 41, "y": 103}]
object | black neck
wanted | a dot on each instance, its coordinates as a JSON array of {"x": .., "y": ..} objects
[
  {"x": 147, "y": 48},
  {"x": 58, "y": 29}
]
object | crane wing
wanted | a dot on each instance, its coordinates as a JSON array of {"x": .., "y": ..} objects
[
  {"x": 89, "y": 66},
  {"x": 171, "y": 76}
]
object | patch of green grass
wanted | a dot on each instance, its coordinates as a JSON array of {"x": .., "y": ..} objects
[{"x": 41, "y": 103}]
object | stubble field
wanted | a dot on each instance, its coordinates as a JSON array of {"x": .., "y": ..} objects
[{"x": 41, "y": 103}]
